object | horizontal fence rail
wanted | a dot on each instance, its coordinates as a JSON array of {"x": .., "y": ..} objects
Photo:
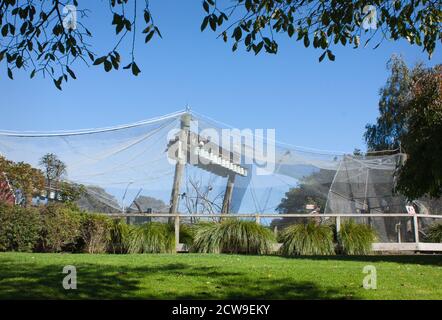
[{"x": 416, "y": 246}]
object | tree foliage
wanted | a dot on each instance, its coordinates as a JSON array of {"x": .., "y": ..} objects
[
  {"x": 24, "y": 179},
  {"x": 48, "y": 38},
  {"x": 394, "y": 103},
  {"x": 422, "y": 173},
  {"x": 411, "y": 118}
]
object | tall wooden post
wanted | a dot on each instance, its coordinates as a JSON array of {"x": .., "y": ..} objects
[
  {"x": 228, "y": 195},
  {"x": 181, "y": 162}
]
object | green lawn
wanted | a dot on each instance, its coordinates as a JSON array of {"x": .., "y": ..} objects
[{"x": 39, "y": 276}]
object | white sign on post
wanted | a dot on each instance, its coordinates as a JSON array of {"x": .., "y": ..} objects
[{"x": 410, "y": 210}]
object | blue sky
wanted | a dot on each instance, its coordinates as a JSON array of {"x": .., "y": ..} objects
[{"x": 320, "y": 105}]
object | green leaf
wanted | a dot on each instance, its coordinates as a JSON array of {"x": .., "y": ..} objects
[
  {"x": 19, "y": 62},
  {"x": 107, "y": 66},
  {"x": 146, "y": 16},
  {"x": 330, "y": 55},
  {"x": 306, "y": 40},
  {"x": 10, "y": 74},
  {"x": 135, "y": 69},
  {"x": 58, "y": 83},
  {"x": 149, "y": 36},
  {"x": 237, "y": 33},
  {"x": 322, "y": 56},
  {"x": 71, "y": 73},
  {"x": 213, "y": 21},
  {"x": 204, "y": 24},
  {"x": 206, "y": 6},
  {"x": 158, "y": 32},
  {"x": 100, "y": 60},
  {"x": 5, "y": 30},
  {"x": 291, "y": 30}
]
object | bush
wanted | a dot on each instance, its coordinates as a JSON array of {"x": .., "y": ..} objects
[
  {"x": 61, "y": 228},
  {"x": 232, "y": 236},
  {"x": 152, "y": 237},
  {"x": 307, "y": 240},
  {"x": 119, "y": 237},
  {"x": 435, "y": 233},
  {"x": 19, "y": 228},
  {"x": 356, "y": 238},
  {"x": 94, "y": 233}
]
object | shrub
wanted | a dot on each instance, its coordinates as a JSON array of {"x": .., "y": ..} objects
[
  {"x": 232, "y": 236},
  {"x": 119, "y": 237},
  {"x": 356, "y": 238},
  {"x": 307, "y": 240},
  {"x": 435, "y": 233},
  {"x": 19, "y": 228},
  {"x": 94, "y": 233},
  {"x": 61, "y": 228},
  {"x": 152, "y": 237}
]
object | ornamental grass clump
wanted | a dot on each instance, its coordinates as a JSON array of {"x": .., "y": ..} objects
[
  {"x": 232, "y": 236},
  {"x": 119, "y": 234},
  {"x": 307, "y": 240},
  {"x": 152, "y": 237},
  {"x": 356, "y": 238},
  {"x": 435, "y": 233}
]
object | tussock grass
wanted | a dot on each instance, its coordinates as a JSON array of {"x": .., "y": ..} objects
[
  {"x": 232, "y": 236},
  {"x": 307, "y": 240},
  {"x": 356, "y": 238},
  {"x": 152, "y": 237},
  {"x": 435, "y": 233},
  {"x": 119, "y": 237}
]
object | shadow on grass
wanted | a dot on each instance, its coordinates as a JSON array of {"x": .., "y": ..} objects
[
  {"x": 430, "y": 260},
  {"x": 167, "y": 281}
]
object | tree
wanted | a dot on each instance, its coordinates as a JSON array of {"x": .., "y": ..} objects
[
  {"x": 49, "y": 38},
  {"x": 394, "y": 102},
  {"x": 26, "y": 181},
  {"x": 411, "y": 118},
  {"x": 422, "y": 173},
  {"x": 53, "y": 169}
]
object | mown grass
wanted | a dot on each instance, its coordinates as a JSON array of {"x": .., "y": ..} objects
[{"x": 197, "y": 276}]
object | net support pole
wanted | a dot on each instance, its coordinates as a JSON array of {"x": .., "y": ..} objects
[
  {"x": 416, "y": 229},
  {"x": 338, "y": 225},
  {"x": 228, "y": 194},
  {"x": 179, "y": 167}
]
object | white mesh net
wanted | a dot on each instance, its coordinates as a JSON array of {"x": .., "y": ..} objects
[{"x": 129, "y": 168}]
